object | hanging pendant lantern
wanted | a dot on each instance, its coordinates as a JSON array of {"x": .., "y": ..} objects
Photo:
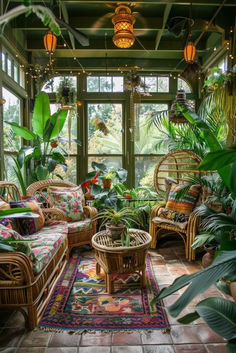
[
  {"x": 189, "y": 52},
  {"x": 50, "y": 42},
  {"x": 123, "y": 27}
]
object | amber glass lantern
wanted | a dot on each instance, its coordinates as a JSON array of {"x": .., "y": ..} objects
[
  {"x": 50, "y": 42},
  {"x": 123, "y": 27},
  {"x": 189, "y": 52}
]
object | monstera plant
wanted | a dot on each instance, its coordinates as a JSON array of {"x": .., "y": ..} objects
[{"x": 45, "y": 152}]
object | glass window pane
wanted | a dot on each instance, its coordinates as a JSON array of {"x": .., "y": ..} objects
[
  {"x": 163, "y": 84},
  {"x": 151, "y": 84},
  {"x": 146, "y": 137},
  {"x": 92, "y": 84},
  {"x": 3, "y": 61},
  {"x": 105, "y": 128},
  {"x": 110, "y": 162},
  {"x": 183, "y": 85},
  {"x": 144, "y": 170},
  {"x": 15, "y": 73},
  {"x": 105, "y": 84},
  {"x": 118, "y": 84},
  {"x": 9, "y": 72},
  {"x": 71, "y": 173},
  {"x": 11, "y": 112},
  {"x": 52, "y": 85},
  {"x": 9, "y": 173}
]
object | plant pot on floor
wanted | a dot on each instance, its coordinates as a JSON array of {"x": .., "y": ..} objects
[
  {"x": 115, "y": 231},
  {"x": 208, "y": 257}
]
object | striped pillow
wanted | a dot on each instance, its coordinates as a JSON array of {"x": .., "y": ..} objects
[{"x": 187, "y": 203}]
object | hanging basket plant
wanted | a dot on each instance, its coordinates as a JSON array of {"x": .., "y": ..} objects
[{"x": 66, "y": 94}]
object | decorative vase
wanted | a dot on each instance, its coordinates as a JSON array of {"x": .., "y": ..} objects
[
  {"x": 208, "y": 258},
  {"x": 106, "y": 183},
  {"x": 115, "y": 231}
]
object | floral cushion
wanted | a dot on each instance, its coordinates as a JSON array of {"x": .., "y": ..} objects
[
  {"x": 160, "y": 220},
  {"x": 187, "y": 203},
  {"x": 27, "y": 226},
  {"x": 10, "y": 234},
  {"x": 45, "y": 243},
  {"x": 80, "y": 226},
  {"x": 68, "y": 200}
]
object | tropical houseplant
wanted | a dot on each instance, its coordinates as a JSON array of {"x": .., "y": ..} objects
[
  {"x": 41, "y": 158},
  {"x": 116, "y": 221}
]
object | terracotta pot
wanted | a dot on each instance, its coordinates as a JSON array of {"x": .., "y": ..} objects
[
  {"x": 233, "y": 290},
  {"x": 115, "y": 231},
  {"x": 88, "y": 195},
  {"x": 208, "y": 257},
  {"x": 106, "y": 183}
]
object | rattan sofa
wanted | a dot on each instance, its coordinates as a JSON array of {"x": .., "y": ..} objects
[
  {"x": 20, "y": 288},
  {"x": 40, "y": 190}
]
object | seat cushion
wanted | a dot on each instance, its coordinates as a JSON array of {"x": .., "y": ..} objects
[
  {"x": 29, "y": 225},
  {"x": 80, "y": 226},
  {"x": 159, "y": 220},
  {"x": 185, "y": 204},
  {"x": 7, "y": 234},
  {"x": 68, "y": 200},
  {"x": 45, "y": 243}
]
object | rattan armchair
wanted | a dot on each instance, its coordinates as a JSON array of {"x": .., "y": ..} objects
[
  {"x": 19, "y": 287},
  {"x": 40, "y": 190},
  {"x": 178, "y": 165}
]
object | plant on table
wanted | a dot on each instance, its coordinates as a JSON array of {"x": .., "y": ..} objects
[
  {"x": 41, "y": 159},
  {"x": 115, "y": 221}
]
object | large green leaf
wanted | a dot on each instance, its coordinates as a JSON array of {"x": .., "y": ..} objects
[
  {"x": 122, "y": 174},
  {"x": 220, "y": 315},
  {"x": 231, "y": 346},
  {"x": 21, "y": 131},
  {"x": 27, "y": 153},
  {"x": 199, "y": 281},
  {"x": 41, "y": 113},
  {"x": 58, "y": 157},
  {"x": 54, "y": 125},
  {"x": 218, "y": 159},
  {"x": 233, "y": 179},
  {"x": 99, "y": 166},
  {"x": 41, "y": 172}
]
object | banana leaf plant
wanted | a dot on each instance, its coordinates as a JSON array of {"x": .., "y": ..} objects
[{"x": 45, "y": 152}]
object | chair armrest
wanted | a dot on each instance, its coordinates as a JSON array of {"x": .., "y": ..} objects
[
  {"x": 53, "y": 214},
  {"x": 15, "y": 270},
  {"x": 155, "y": 209},
  {"x": 193, "y": 222},
  {"x": 90, "y": 211}
]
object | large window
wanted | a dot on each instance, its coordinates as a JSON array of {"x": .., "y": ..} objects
[
  {"x": 105, "y": 84},
  {"x": 12, "y": 68},
  {"x": 105, "y": 127},
  {"x": 12, "y": 143},
  {"x": 148, "y": 143}
]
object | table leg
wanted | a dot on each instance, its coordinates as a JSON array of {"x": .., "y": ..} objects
[
  {"x": 98, "y": 268},
  {"x": 109, "y": 284},
  {"x": 142, "y": 277}
]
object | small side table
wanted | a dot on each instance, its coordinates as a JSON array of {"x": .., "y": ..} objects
[{"x": 116, "y": 259}]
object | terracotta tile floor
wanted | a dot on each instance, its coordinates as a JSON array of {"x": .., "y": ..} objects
[{"x": 170, "y": 263}]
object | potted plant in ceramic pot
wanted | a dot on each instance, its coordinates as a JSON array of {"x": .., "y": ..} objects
[{"x": 116, "y": 222}]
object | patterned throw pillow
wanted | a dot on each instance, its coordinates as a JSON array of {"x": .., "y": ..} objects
[
  {"x": 5, "y": 221},
  {"x": 27, "y": 226},
  {"x": 68, "y": 200},
  {"x": 187, "y": 203}
]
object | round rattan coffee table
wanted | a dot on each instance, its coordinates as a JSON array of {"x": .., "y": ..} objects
[{"x": 116, "y": 259}]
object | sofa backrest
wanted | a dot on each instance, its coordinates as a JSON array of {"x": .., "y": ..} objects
[{"x": 39, "y": 189}]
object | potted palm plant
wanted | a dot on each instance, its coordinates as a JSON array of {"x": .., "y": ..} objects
[{"x": 116, "y": 222}]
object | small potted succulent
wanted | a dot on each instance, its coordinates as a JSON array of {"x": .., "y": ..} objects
[{"x": 116, "y": 222}]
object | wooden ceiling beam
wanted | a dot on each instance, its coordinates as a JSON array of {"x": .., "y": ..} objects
[{"x": 165, "y": 18}]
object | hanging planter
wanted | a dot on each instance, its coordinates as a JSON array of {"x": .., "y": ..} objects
[
  {"x": 175, "y": 116},
  {"x": 66, "y": 94}
]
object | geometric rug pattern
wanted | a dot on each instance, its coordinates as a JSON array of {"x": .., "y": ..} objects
[{"x": 80, "y": 303}]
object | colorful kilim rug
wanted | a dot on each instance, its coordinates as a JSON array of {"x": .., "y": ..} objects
[{"x": 80, "y": 303}]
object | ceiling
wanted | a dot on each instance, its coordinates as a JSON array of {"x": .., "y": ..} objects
[{"x": 155, "y": 48}]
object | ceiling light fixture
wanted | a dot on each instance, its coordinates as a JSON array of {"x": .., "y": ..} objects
[
  {"x": 190, "y": 48},
  {"x": 123, "y": 21}
]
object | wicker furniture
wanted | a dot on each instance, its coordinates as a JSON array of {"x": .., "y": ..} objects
[
  {"x": 19, "y": 287},
  {"x": 178, "y": 165},
  {"x": 40, "y": 190},
  {"x": 115, "y": 259}
]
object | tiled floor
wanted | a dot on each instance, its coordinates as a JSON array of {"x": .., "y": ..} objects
[{"x": 195, "y": 338}]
